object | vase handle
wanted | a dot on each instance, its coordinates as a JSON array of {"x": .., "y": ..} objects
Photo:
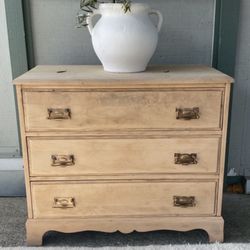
[
  {"x": 90, "y": 18},
  {"x": 160, "y": 18}
]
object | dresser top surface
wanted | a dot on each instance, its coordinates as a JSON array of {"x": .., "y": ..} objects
[{"x": 94, "y": 74}]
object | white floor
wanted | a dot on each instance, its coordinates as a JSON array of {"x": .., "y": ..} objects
[{"x": 216, "y": 246}]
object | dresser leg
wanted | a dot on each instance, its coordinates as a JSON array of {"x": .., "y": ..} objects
[
  {"x": 216, "y": 231},
  {"x": 216, "y": 236},
  {"x": 34, "y": 234}
]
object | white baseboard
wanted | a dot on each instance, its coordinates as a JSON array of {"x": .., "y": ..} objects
[
  {"x": 12, "y": 177},
  {"x": 248, "y": 186},
  {"x": 11, "y": 164}
]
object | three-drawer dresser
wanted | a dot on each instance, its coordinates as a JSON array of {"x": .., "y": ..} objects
[{"x": 122, "y": 152}]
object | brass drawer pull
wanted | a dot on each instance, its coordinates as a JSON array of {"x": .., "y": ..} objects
[
  {"x": 59, "y": 114},
  {"x": 62, "y": 160},
  {"x": 64, "y": 202},
  {"x": 187, "y": 113},
  {"x": 185, "y": 159},
  {"x": 184, "y": 201}
]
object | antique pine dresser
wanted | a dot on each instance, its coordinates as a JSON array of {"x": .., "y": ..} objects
[{"x": 108, "y": 152}]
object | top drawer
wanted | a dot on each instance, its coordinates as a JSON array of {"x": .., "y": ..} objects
[{"x": 123, "y": 109}]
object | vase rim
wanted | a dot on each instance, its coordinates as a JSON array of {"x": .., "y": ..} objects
[{"x": 118, "y": 6}]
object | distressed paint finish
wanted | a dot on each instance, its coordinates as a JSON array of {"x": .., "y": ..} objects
[
  {"x": 239, "y": 148},
  {"x": 114, "y": 197},
  {"x": 12, "y": 64},
  {"x": 141, "y": 156},
  {"x": 127, "y": 199},
  {"x": 186, "y": 37}
]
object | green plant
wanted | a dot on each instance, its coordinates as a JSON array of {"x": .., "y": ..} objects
[{"x": 88, "y": 6}]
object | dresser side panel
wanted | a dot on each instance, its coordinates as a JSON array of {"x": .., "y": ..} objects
[
  {"x": 223, "y": 147},
  {"x": 24, "y": 150}
]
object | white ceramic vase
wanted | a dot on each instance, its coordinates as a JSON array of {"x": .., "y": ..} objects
[{"x": 124, "y": 42}]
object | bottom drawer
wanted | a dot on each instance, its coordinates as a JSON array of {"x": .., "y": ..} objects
[{"x": 128, "y": 198}]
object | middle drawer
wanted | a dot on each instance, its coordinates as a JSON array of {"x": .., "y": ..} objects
[{"x": 80, "y": 156}]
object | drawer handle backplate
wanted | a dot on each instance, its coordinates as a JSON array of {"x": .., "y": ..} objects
[
  {"x": 185, "y": 159},
  {"x": 59, "y": 114},
  {"x": 184, "y": 201},
  {"x": 64, "y": 202},
  {"x": 187, "y": 113},
  {"x": 62, "y": 160}
]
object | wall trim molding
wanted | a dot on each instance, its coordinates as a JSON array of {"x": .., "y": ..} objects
[
  {"x": 12, "y": 177},
  {"x": 225, "y": 45},
  {"x": 13, "y": 63},
  {"x": 11, "y": 164},
  {"x": 225, "y": 35}
]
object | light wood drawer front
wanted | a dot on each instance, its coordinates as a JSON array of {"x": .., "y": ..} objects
[
  {"x": 59, "y": 157},
  {"x": 58, "y": 200},
  {"x": 111, "y": 110}
]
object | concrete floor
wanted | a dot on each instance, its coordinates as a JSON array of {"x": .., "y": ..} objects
[{"x": 236, "y": 212}]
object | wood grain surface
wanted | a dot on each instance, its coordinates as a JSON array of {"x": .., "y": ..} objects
[
  {"x": 101, "y": 199},
  {"x": 122, "y": 156},
  {"x": 89, "y": 75},
  {"x": 112, "y": 110},
  {"x": 123, "y": 135}
]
